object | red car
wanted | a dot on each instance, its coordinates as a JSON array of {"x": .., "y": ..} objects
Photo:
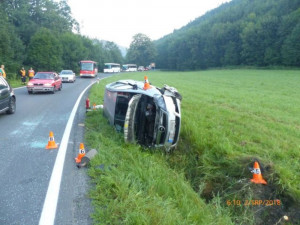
[{"x": 44, "y": 82}]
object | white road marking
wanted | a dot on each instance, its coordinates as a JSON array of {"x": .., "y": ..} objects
[{"x": 50, "y": 204}]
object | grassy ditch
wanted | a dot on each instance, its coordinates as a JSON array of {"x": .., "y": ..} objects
[{"x": 230, "y": 118}]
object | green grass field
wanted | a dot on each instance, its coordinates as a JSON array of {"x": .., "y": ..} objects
[{"x": 230, "y": 118}]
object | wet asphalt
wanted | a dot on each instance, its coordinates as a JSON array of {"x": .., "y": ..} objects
[{"x": 26, "y": 165}]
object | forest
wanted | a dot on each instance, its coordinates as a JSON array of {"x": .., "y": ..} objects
[
  {"x": 42, "y": 34},
  {"x": 239, "y": 33}
]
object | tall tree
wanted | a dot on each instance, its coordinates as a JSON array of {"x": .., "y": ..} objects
[
  {"x": 45, "y": 51},
  {"x": 113, "y": 52},
  {"x": 73, "y": 50},
  {"x": 141, "y": 50}
]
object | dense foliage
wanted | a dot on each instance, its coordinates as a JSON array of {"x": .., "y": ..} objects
[
  {"x": 141, "y": 51},
  {"x": 241, "y": 32},
  {"x": 40, "y": 34}
]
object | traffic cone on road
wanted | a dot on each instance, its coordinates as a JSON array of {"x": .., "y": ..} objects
[
  {"x": 51, "y": 142},
  {"x": 146, "y": 84},
  {"x": 257, "y": 177},
  {"x": 81, "y": 153}
]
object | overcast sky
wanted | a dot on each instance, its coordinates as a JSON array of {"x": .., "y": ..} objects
[{"x": 119, "y": 20}]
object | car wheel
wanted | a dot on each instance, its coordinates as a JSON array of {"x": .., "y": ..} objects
[
  {"x": 30, "y": 92},
  {"x": 12, "y": 106}
]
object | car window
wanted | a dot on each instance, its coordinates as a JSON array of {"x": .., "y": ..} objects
[
  {"x": 3, "y": 84},
  {"x": 47, "y": 76}
]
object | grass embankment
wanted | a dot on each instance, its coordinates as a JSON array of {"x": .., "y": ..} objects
[
  {"x": 14, "y": 80},
  {"x": 229, "y": 119}
]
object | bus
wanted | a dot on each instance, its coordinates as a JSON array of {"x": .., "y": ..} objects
[
  {"x": 88, "y": 68},
  {"x": 129, "y": 68},
  {"x": 112, "y": 68}
]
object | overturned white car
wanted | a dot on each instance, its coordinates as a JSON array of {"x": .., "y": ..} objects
[{"x": 148, "y": 115}]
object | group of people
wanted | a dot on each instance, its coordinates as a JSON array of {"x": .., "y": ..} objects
[
  {"x": 2, "y": 71},
  {"x": 23, "y": 74}
]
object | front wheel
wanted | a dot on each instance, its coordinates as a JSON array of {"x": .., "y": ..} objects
[{"x": 12, "y": 106}]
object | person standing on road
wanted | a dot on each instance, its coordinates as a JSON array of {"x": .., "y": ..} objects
[
  {"x": 23, "y": 75},
  {"x": 30, "y": 73},
  {"x": 2, "y": 71}
]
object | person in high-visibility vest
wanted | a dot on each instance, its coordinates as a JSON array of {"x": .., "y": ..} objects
[
  {"x": 23, "y": 75},
  {"x": 30, "y": 73},
  {"x": 2, "y": 71}
]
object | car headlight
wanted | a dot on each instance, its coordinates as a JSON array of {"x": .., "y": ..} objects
[
  {"x": 47, "y": 85},
  {"x": 29, "y": 84}
]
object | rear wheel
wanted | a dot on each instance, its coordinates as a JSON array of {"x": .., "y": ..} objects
[{"x": 12, "y": 106}]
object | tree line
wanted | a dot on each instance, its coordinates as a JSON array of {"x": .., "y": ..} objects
[
  {"x": 238, "y": 33},
  {"x": 40, "y": 34}
]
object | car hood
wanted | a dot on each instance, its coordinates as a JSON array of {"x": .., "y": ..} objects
[
  {"x": 41, "y": 81},
  {"x": 66, "y": 75}
]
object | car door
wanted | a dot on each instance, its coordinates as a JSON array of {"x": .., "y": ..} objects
[{"x": 4, "y": 93}]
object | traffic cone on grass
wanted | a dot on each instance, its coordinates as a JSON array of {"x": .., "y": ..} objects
[
  {"x": 51, "y": 142},
  {"x": 81, "y": 153},
  {"x": 257, "y": 177}
]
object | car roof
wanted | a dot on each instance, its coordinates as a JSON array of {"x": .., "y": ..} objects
[
  {"x": 46, "y": 72},
  {"x": 132, "y": 86}
]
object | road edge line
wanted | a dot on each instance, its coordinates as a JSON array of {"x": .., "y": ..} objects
[{"x": 49, "y": 208}]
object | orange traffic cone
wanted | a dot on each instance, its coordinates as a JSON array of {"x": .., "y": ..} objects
[
  {"x": 94, "y": 106},
  {"x": 80, "y": 154},
  {"x": 146, "y": 85},
  {"x": 51, "y": 142},
  {"x": 257, "y": 177}
]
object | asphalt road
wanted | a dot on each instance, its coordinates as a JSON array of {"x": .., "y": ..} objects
[{"x": 26, "y": 166}]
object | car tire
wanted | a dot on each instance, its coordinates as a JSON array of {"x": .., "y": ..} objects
[
  {"x": 12, "y": 106},
  {"x": 30, "y": 92}
]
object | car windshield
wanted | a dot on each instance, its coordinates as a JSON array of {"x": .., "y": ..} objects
[
  {"x": 66, "y": 72},
  {"x": 46, "y": 76}
]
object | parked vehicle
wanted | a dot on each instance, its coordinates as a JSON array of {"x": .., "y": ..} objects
[
  {"x": 112, "y": 68},
  {"x": 67, "y": 76},
  {"x": 129, "y": 68},
  {"x": 7, "y": 97},
  {"x": 141, "y": 68},
  {"x": 44, "y": 82},
  {"x": 148, "y": 115}
]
